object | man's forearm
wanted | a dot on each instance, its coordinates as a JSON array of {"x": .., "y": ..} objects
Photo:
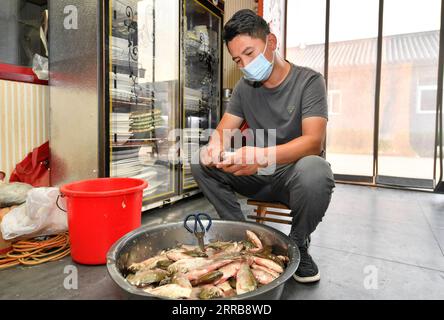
[
  {"x": 217, "y": 138},
  {"x": 227, "y": 124},
  {"x": 294, "y": 150}
]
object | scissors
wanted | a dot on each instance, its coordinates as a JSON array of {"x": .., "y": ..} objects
[{"x": 199, "y": 229}]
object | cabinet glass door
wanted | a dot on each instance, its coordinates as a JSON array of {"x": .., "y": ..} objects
[
  {"x": 143, "y": 48},
  {"x": 201, "y": 80}
]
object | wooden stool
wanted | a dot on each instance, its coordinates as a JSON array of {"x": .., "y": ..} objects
[{"x": 264, "y": 208}]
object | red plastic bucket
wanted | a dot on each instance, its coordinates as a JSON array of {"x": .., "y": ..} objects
[{"x": 101, "y": 211}]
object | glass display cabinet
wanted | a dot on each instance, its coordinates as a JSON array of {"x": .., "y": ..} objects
[
  {"x": 201, "y": 84},
  {"x": 134, "y": 84},
  {"x": 142, "y": 83}
]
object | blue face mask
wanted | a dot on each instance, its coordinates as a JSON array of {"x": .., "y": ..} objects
[{"x": 259, "y": 69}]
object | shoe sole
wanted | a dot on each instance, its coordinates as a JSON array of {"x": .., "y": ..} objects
[{"x": 314, "y": 278}]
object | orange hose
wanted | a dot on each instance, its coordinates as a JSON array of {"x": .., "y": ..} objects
[{"x": 36, "y": 251}]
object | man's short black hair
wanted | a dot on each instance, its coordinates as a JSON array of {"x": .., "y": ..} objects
[{"x": 245, "y": 21}]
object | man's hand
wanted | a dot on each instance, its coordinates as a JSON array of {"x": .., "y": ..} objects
[
  {"x": 210, "y": 154},
  {"x": 246, "y": 161}
]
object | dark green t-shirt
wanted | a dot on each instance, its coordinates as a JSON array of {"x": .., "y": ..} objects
[{"x": 301, "y": 95}]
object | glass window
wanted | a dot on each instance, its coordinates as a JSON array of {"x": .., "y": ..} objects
[
  {"x": 306, "y": 33},
  {"x": 439, "y": 161},
  {"x": 351, "y": 85},
  {"x": 408, "y": 88},
  {"x": 334, "y": 102},
  {"x": 426, "y": 99}
]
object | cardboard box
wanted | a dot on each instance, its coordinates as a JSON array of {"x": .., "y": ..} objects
[{"x": 5, "y": 246}]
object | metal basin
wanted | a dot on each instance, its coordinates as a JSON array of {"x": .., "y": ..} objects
[{"x": 147, "y": 241}]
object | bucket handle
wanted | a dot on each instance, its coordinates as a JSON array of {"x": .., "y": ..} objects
[{"x": 57, "y": 202}]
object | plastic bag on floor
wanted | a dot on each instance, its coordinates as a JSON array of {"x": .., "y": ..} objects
[
  {"x": 12, "y": 194},
  {"x": 38, "y": 216}
]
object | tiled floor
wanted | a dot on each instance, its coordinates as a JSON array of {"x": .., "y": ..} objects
[
  {"x": 397, "y": 233},
  {"x": 372, "y": 244}
]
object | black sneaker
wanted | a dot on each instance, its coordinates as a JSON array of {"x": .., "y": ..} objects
[{"x": 307, "y": 271}]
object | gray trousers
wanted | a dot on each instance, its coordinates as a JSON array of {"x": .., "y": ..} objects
[{"x": 305, "y": 187}]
